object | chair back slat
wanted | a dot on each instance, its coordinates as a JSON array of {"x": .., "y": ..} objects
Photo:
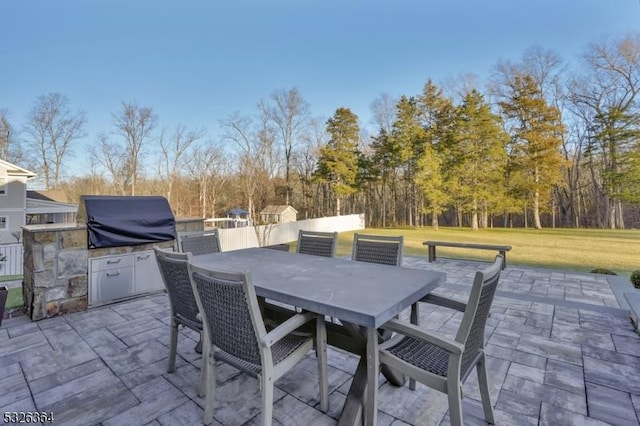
[
  {"x": 377, "y": 249},
  {"x": 200, "y": 243},
  {"x": 175, "y": 276},
  {"x": 472, "y": 328},
  {"x": 226, "y": 310},
  {"x": 317, "y": 243}
]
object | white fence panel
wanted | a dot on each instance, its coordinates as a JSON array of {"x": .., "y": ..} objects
[
  {"x": 13, "y": 259},
  {"x": 264, "y": 235}
]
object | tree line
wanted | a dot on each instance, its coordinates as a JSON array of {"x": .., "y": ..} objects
[{"x": 540, "y": 144}]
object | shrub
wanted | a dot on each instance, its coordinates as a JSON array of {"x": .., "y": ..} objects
[
  {"x": 635, "y": 278},
  {"x": 603, "y": 271}
]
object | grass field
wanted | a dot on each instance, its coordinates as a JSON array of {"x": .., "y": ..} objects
[{"x": 570, "y": 249}]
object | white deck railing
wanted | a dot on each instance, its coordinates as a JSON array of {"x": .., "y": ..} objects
[
  {"x": 256, "y": 236},
  {"x": 13, "y": 259}
]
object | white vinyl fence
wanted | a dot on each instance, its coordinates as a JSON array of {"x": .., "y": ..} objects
[
  {"x": 264, "y": 235},
  {"x": 12, "y": 253}
]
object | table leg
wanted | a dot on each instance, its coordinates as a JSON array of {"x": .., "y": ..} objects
[{"x": 373, "y": 362}]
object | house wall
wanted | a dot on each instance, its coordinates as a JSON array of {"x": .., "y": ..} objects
[{"x": 12, "y": 205}]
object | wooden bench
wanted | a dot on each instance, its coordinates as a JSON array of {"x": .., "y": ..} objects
[{"x": 433, "y": 244}]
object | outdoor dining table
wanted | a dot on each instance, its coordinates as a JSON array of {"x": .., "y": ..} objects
[{"x": 363, "y": 295}]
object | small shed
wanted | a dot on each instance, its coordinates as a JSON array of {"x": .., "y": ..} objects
[{"x": 278, "y": 214}]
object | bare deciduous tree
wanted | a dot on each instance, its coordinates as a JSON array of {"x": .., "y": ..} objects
[
  {"x": 135, "y": 124},
  {"x": 52, "y": 128},
  {"x": 173, "y": 150},
  {"x": 207, "y": 165},
  {"x": 9, "y": 149},
  {"x": 113, "y": 160},
  {"x": 290, "y": 114}
]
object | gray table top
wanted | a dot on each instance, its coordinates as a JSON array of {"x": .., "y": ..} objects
[{"x": 363, "y": 293}]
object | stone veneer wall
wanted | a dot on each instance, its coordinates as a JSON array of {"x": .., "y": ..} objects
[{"x": 56, "y": 265}]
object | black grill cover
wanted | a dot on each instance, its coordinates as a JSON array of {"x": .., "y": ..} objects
[{"x": 114, "y": 221}]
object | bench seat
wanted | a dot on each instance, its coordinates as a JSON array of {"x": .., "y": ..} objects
[{"x": 502, "y": 249}]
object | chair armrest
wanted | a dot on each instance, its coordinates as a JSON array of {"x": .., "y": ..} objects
[
  {"x": 432, "y": 337},
  {"x": 287, "y": 328},
  {"x": 444, "y": 301}
]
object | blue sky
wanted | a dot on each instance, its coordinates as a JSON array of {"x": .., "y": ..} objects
[{"x": 197, "y": 61}]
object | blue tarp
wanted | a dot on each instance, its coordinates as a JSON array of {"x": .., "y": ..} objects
[{"x": 237, "y": 212}]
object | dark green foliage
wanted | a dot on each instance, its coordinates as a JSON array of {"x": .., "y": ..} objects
[
  {"x": 635, "y": 278},
  {"x": 603, "y": 271}
]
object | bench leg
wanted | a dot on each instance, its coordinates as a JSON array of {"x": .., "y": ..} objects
[
  {"x": 432, "y": 254},
  {"x": 504, "y": 259}
]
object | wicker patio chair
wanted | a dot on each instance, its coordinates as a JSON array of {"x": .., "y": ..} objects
[
  {"x": 235, "y": 333},
  {"x": 201, "y": 243},
  {"x": 377, "y": 249},
  {"x": 317, "y": 243},
  {"x": 443, "y": 363},
  {"x": 184, "y": 309}
]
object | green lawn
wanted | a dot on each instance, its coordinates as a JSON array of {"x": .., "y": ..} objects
[
  {"x": 572, "y": 249},
  {"x": 14, "y": 297}
]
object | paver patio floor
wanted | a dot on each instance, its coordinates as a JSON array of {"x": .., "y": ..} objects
[{"x": 561, "y": 351}]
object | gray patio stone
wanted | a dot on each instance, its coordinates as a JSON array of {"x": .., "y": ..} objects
[
  {"x": 504, "y": 338},
  {"x": 289, "y": 411},
  {"x": 526, "y": 372},
  {"x": 25, "y": 404},
  {"x": 424, "y": 406},
  {"x": 238, "y": 400},
  {"x": 518, "y": 404},
  {"x": 157, "y": 333},
  {"x": 613, "y": 357},
  {"x": 610, "y": 405},
  {"x": 552, "y": 415},
  {"x": 84, "y": 322},
  {"x": 76, "y": 366},
  {"x": 10, "y": 369},
  {"x": 566, "y": 315},
  {"x": 507, "y": 418},
  {"x": 336, "y": 402},
  {"x": 576, "y": 334},
  {"x": 187, "y": 414},
  {"x": 508, "y": 354},
  {"x": 302, "y": 381},
  {"x": 551, "y": 348},
  {"x": 137, "y": 326},
  {"x": 40, "y": 363},
  {"x": 132, "y": 307},
  {"x": 532, "y": 391},
  {"x": 52, "y": 322},
  {"x": 92, "y": 406},
  {"x": 618, "y": 376},
  {"x": 564, "y": 376},
  {"x": 23, "y": 329},
  {"x": 23, "y": 343},
  {"x": 342, "y": 360},
  {"x": 66, "y": 375},
  {"x": 148, "y": 372},
  {"x": 122, "y": 361},
  {"x": 62, "y": 335},
  {"x": 13, "y": 388},
  {"x": 100, "y": 377},
  {"x": 156, "y": 398},
  {"x": 100, "y": 337},
  {"x": 626, "y": 344}
]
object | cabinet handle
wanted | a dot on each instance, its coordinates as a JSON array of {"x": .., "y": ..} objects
[
  {"x": 113, "y": 274},
  {"x": 112, "y": 261},
  {"x": 144, "y": 256}
]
